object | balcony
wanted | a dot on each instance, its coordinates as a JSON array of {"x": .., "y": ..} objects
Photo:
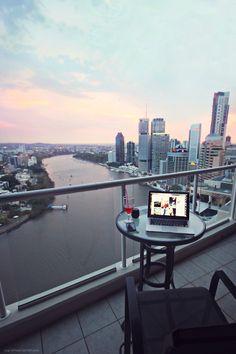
[
  {"x": 96, "y": 328},
  {"x": 84, "y": 315}
]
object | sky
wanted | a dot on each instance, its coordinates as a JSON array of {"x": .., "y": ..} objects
[{"x": 79, "y": 71}]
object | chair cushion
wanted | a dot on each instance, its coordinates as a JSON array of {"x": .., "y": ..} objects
[{"x": 165, "y": 310}]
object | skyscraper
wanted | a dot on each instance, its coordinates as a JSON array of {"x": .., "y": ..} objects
[
  {"x": 120, "y": 148},
  {"x": 194, "y": 144},
  {"x": 220, "y": 109},
  {"x": 144, "y": 146},
  {"x": 160, "y": 148},
  {"x": 130, "y": 152},
  {"x": 158, "y": 125},
  {"x": 159, "y": 144}
]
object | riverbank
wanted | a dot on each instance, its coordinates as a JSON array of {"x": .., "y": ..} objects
[
  {"x": 39, "y": 205},
  {"x": 92, "y": 157},
  {"x": 14, "y": 224},
  {"x": 14, "y": 215}
]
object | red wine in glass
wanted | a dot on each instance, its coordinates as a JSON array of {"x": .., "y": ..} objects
[
  {"x": 129, "y": 210},
  {"x": 128, "y": 204}
]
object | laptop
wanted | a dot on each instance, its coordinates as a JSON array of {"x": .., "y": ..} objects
[{"x": 168, "y": 212}]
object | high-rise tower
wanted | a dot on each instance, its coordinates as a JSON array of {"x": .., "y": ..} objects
[
  {"x": 144, "y": 146},
  {"x": 120, "y": 148},
  {"x": 194, "y": 144},
  {"x": 130, "y": 152},
  {"x": 220, "y": 109},
  {"x": 159, "y": 144}
]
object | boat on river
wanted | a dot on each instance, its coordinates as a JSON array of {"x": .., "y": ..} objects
[{"x": 58, "y": 207}]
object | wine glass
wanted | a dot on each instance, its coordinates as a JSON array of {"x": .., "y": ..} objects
[{"x": 128, "y": 205}]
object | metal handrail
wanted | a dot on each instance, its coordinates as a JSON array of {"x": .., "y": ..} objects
[{"x": 103, "y": 185}]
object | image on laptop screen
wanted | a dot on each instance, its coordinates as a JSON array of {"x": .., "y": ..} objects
[{"x": 168, "y": 204}]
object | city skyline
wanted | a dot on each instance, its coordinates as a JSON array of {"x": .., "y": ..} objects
[{"x": 75, "y": 72}]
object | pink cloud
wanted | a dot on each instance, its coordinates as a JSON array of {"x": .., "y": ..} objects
[
  {"x": 43, "y": 115},
  {"x": 6, "y": 125},
  {"x": 96, "y": 117},
  {"x": 22, "y": 99}
]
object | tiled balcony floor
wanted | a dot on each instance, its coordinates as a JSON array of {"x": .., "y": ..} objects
[{"x": 96, "y": 329}]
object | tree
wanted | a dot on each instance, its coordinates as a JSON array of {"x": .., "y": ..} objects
[
  {"x": 176, "y": 187},
  {"x": 11, "y": 180}
]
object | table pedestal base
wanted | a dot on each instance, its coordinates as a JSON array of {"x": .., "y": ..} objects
[{"x": 145, "y": 269}]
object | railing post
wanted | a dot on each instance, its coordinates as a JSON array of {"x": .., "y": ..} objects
[
  {"x": 123, "y": 239},
  {"x": 233, "y": 199},
  {"x": 195, "y": 184},
  {"x": 3, "y": 311}
]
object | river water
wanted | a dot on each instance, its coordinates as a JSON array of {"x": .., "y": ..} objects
[{"x": 60, "y": 246}]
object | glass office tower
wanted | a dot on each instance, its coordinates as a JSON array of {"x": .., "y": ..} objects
[
  {"x": 194, "y": 144},
  {"x": 130, "y": 152},
  {"x": 220, "y": 110},
  {"x": 159, "y": 144},
  {"x": 120, "y": 148},
  {"x": 144, "y": 145}
]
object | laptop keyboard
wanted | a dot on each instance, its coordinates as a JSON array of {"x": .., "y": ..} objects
[{"x": 167, "y": 222}]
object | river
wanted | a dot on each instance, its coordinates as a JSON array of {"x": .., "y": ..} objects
[{"x": 60, "y": 246}]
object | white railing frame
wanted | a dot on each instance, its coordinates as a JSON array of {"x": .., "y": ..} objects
[{"x": 233, "y": 199}]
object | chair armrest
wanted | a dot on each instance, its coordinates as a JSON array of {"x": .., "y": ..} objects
[
  {"x": 220, "y": 275},
  {"x": 132, "y": 318}
]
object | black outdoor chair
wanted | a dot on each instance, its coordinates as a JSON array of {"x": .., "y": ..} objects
[{"x": 178, "y": 321}]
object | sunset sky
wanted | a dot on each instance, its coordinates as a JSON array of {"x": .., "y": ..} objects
[{"x": 79, "y": 71}]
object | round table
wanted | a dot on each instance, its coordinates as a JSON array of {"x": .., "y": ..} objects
[{"x": 149, "y": 239}]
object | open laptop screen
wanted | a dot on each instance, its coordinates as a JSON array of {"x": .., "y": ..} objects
[{"x": 168, "y": 204}]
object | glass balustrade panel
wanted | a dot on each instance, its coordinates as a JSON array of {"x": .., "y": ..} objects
[
  {"x": 213, "y": 202},
  {"x": 10, "y": 220}
]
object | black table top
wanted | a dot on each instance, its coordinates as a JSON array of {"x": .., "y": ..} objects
[{"x": 162, "y": 239}]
